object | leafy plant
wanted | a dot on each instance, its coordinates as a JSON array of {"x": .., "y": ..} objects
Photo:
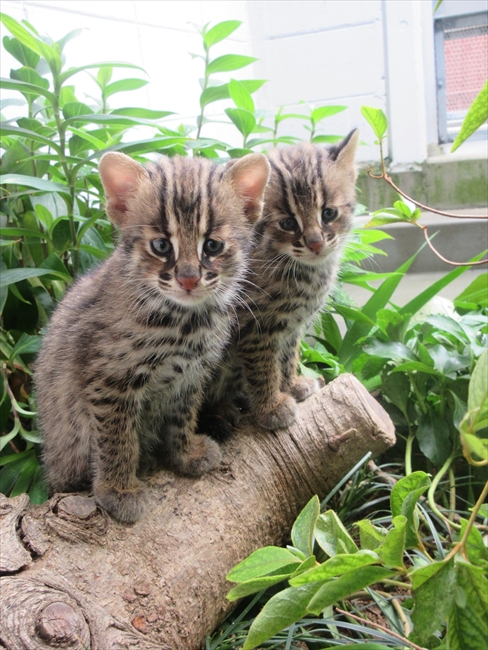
[{"x": 385, "y": 560}]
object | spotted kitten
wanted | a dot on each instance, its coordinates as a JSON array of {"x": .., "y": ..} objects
[
  {"x": 119, "y": 377},
  {"x": 309, "y": 203}
]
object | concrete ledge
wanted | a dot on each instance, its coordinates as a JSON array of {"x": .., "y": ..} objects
[
  {"x": 442, "y": 183},
  {"x": 457, "y": 240}
]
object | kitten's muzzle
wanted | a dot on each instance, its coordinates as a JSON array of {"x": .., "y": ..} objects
[
  {"x": 188, "y": 283},
  {"x": 314, "y": 243}
]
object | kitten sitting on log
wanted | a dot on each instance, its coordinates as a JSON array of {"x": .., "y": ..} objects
[{"x": 120, "y": 375}]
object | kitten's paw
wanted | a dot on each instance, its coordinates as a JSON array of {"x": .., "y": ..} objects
[
  {"x": 302, "y": 387},
  {"x": 125, "y": 506},
  {"x": 281, "y": 415},
  {"x": 202, "y": 456}
]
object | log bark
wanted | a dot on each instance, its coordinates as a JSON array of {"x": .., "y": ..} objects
[{"x": 74, "y": 578}]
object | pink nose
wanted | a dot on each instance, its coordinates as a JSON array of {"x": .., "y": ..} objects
[
  {"x": 188, "y": 283},
  {"x": 315, "y": 246}
]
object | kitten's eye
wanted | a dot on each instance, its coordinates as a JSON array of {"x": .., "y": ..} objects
[
  {"x": 213, "y": 247},
  {"x": 329, "y": 214},
  {"x": 290, "y": 224},
  {"x": 161, "y": 246}
]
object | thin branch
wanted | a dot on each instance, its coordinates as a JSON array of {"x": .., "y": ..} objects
[
  {"x": 427, "y": 239},
  {"x": 380, "y": 627},
  {"x": 451, "y": 215}
]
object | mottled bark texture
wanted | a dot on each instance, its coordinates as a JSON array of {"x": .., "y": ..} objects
[{"x": 74, "y": 578}]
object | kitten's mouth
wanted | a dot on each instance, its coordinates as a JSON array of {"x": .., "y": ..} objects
[{"x": 188, "y": 298}]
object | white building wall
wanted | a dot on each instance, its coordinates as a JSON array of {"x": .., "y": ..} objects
[{"x": 350, "y": 52}]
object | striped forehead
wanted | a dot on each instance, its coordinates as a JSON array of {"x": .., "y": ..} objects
[
  {"x": 186, "y": 196},
  {"x": 300, "y": 173}
]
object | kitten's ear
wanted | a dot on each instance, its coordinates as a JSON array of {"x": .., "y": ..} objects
[
  {"x": 344, "y": 152},
  {"x": 249, "y": 176},
  {"x": 121, "y": 177}
]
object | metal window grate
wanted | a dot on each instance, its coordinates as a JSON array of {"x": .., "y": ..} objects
[{"x": 462, "y": 69}]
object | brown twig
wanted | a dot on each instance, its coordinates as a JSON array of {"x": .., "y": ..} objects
[
  {"x": 380, "y": 627},
  {"x": 451, "y": 215},
  {"x": 384, "y": 176}
]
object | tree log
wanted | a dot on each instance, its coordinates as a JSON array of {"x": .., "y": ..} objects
[{"x": 74, "y": 578}]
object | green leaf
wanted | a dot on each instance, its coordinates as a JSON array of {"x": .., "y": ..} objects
[
  {"x": 403, "y": 501},
  {"x": 123, "y": 85},
  {"x": 283, "y": 609},
  {"x": 433, "y": 591},
  {"x": 393, "y": 546},
  {"x": 475, "y": 548},
  {"x": 32, "y": 181},
  {"x": 255, "y": 585},
  {"x": 397, "y": 388},
  {"x": 336, "y": 566},
  {"x": 144, "y": 113},
  {"x": 330, "y": 330},
  {"x": 476, "y": 292},
  {"x": 20, "y": 52},
  {"x": 31, "y": 135},
  {"x": 302, "y": 531},
  {"x": 11, "y": 276},
  {"x": 36, "y": 45},
  {"x": 349, "y": 348},
  {"x": 354, "y": 580},
  {"x": 321, "y": 139},
  {"x": 241, "y": 96},
  {"x": 31, "y": 77},
  {"x": 331, "y": 535},
  {"x": 390, "y": 350},
  {"x": 423, "y": 298},
  {"x": 434, "y": 438},
  {"x": 104, "y": 75},
  {"x": 466, "y": 627},
  {"x": 68, "y": 37},
  {"x": 322, "y": 112},
  {"x": 478, "y": 388},
  {"x": 219, "y": 32},
  {"x": 262, "y": 562},
  {"x": 377, "y": 120},
  {"x": 87, "y": 137},
  {"x": 229, "y": 62},
  {"x": 216, "y": 93},
  {"x": 25, "y": 345},
  {"x": 244, "y": 120},
  {"x": 91, "y": 66},
  {"x": 72, "y": 109},
  {"x": 381, "y": 221},
  {"x": 476, "y": 116},
  {"x": 370, "y": 536}
]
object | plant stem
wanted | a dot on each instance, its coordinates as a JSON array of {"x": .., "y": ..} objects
[
  {"x": 70, "y": 178},
  {"x": 452, "y": 493},
  {"x": 408, "y": 451},
  {"x": 200, "y": 117},
  {"x": 420, "y": 397},
  {"x": 461, "y": 545},
  {"x": 431, "y": 493}
]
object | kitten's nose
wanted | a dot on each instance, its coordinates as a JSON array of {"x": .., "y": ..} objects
[
  {"x": 188, "y": 283},
  {"x": 315, "y": 245}
]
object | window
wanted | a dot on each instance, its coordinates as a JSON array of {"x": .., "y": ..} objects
[{"x": 461, "y": 49}]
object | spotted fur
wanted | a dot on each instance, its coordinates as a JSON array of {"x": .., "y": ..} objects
[
  {"x": 309, "y": 203},
  {"x": 119, "y": 377}
]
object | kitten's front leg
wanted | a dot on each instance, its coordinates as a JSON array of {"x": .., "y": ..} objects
[
  {"x": 116, "y": 457},
  {"x": 187, "y": 452},
  {"x": 298, "y": 386},
  {"x": 271, "y": 408}
]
